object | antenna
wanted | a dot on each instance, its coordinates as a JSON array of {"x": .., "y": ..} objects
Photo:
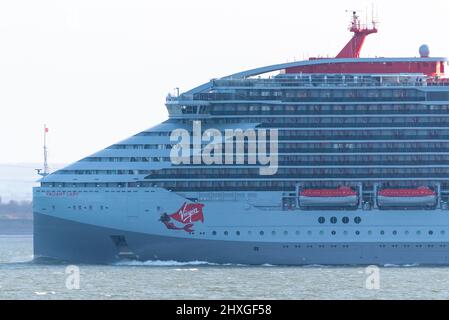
[{"x": 45, "y": 171}]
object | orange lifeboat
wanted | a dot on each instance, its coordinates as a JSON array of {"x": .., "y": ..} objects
[
  {"x": 421, "y": 196},
  {"x": 341, "y": 196}
]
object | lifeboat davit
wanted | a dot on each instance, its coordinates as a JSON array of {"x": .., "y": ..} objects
[
  {"x": 342, "y": 197},
  {"x": 422, "y": 196}
]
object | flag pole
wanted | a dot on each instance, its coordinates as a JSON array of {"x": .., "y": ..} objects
[{"x": 46, "y": 171}]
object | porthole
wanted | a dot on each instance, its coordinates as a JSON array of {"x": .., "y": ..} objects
[
  {"x": 285, "y": 233},
  {"x": 333, "y": 220},
  {"x": 418, "y": 232},
  {"x": 309, "y": 232},
  {"x": 321, "y": 220},
  {"x": 321, "y": 232},
  {"x": 406, "y": 232},
  {"x": 273, "y": 233},
  {"x": 382, "y": 232},
  {"x": 442, "y": 232},
  {"x": 261, "y": 233},
  {"x": 345, "y": 232},
  {"x": 395, "y": 232},
  {"x": 214, "y": 233},
  {"x": 357, "y": 220},
  {"x": 333, "y": 232},
  {"x": 357, "y": 232},
  {"x": 430, "y": 232},
  {"x": 237, "y": 233},
  {"x": 345, "y": 220},
  {"x": 370, "y": 232},
  {"x": 249, "y": 232},
  {"x": 225, "y": 233},
  {"x": 297, "y": 232}
]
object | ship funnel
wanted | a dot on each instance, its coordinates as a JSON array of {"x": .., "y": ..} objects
[{"x": 354, "y": 46}]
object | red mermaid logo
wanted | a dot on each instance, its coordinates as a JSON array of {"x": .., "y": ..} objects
[{"x": 188, "y": 214}]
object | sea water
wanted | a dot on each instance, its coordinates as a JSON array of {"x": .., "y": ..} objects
[{"x": 20, "y": 278}]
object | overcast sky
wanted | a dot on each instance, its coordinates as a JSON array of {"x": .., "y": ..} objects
[{"x": 98, "y": 71}]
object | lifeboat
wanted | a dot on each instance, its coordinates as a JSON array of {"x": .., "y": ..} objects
[
  {"x": 342, "y": 196},
  {"x": 422, "y": 196}
]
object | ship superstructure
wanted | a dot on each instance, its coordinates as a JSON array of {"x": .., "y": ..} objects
[{"x": 362, "y": 172}]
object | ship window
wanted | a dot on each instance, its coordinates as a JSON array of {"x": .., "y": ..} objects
[
  {"x": 382, "y": 232},
  {"x": 297, "y": 232},
  {"x": 321, "y": 232},
  {"x": 237, "y": 233},
  {"x": 442, "y": 232},
  {"x": 285, "y": 233},
  {"x": 214, "y": 233},
  {"x": 249, "y": 232},
  {"x": 357, "y": 220},
  {"x": 309, "y": 232},
  {"x": 430, "y": 232},
  {"x": 418, "y": 232},
  {"x": 321, "y": 220},
  {"x": 345, "y": 219},
  {"x": 345, "y": 232},
  {"x": 357, "y": 232},
  {"x": 333, "y": 232},
  {"x": 273, "y": 233},
  {"x": 333, "y": 220},
  {"x": 261, "y": 233},
  {"x": 370, "y": 232},
  {"x": 395, "y": 232},
  {"x": 225, "y": 233}
]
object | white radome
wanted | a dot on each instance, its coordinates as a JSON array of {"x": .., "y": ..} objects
[{"x": 424, "y": 51}]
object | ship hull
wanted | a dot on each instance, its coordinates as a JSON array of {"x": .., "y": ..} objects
[{"x": 70, "y": 241}]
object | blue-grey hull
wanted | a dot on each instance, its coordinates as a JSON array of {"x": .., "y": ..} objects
[{"x": 76, "y": 242}]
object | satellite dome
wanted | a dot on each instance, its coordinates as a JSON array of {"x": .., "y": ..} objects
[{"x": 424, "y": 51}]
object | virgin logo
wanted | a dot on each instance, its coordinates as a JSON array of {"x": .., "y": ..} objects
[{"x": 188, "y": 214}]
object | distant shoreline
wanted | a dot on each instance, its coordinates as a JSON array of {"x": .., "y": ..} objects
[{"x": 16, "y": 226}]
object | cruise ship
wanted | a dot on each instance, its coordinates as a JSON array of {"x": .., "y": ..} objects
[{"x": 361, "y": 174}]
